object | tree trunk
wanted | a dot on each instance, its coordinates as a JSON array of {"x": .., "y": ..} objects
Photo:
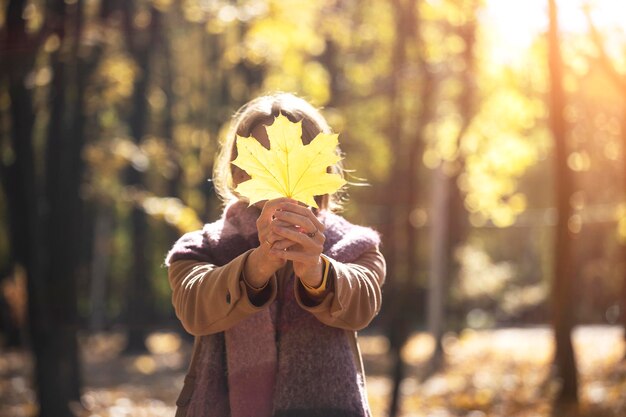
[
  {"x": 397, "y": 266},
  {"x": 24, "y": 196},
  {"x": 101, "y": 218},
  {"x": 449, "y": 225},
  {"x": 10, "y": 325},
  {"x": 46, "y": 210},
  {"x": 623, "y": 311},
  {"x": 439, "y": 270},
  {"x": 140, "y": 288},
  {"x": 562, "y": 302},
  {"x": 18, "y": 54},
  {"x": 619, "y": 80},
  {"x": 102, "y": 237},
  {"x": 13, "y": 196},
  {"x": 64, "y": 170}
]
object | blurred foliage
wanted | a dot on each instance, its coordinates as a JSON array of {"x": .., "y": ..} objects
[{"x": 213, "y": 56}]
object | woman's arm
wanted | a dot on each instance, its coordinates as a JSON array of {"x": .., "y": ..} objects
[
  {"x": 354, "y": 296},
  {"x": 210, "y": 299}
]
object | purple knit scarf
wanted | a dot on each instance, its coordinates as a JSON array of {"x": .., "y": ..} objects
[{"x": 281, "y": 361}]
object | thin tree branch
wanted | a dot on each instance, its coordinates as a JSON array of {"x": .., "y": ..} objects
[{"x": 605, "y": 60}]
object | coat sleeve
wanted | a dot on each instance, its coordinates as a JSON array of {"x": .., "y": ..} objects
[
  {"x": 355, "y": 295},
  {"x": 210, "y": 299}
]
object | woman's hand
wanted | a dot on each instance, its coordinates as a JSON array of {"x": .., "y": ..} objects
[
  {"x": 262, "y": 262},
  {"x": 297, "y": 235}
]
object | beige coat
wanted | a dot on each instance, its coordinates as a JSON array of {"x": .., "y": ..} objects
[{"x": 210, "y": 299}]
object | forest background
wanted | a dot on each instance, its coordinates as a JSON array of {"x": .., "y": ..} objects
[{"x": 486, "y": 143}]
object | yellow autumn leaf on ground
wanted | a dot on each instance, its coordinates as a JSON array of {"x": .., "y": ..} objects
[{"x": 289, "y": 168}]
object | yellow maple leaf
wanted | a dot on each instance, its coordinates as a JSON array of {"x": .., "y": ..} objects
[{"x": 289, "y": 168}]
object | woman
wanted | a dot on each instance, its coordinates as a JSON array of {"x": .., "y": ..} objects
[{"x": 274, "y": 294}]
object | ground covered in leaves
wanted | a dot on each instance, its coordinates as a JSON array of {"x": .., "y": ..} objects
[{"x": 504, "y": 372}]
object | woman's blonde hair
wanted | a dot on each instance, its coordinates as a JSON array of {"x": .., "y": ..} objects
[{"x": 263, "y": 110}]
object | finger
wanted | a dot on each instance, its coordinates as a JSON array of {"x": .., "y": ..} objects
[
  {"x": 296, "y": 256},
  {"x": 266, "y": 227},
  {"x": 305, "y": 224},
  {"x": 283, "y": 244},
  {"x": 264, "y": 221},
  {"x": 272, "y": 205},
  {"x": 271, "y": 239},
  {"x": 276, "y": 223},
  {"x": 303, "y": 211},
  {"x": 310, "y": 243},
  {"x": 276, "y": 203},
  {"x": 266, "y": 235},
  {"x": 281, "y": 223}
]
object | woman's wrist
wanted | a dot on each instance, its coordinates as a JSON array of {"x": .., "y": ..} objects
[
  {"x": 256, "y": 275},
  {"x": 313, "y": 279},
  {"x": 250, "y": 286},
  {"x": 321, "y": 283}
]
